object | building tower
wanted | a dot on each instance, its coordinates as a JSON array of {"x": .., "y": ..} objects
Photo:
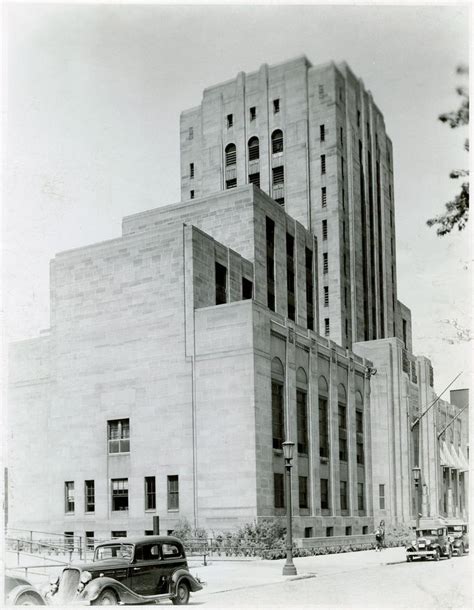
[{"x": 314, "y": 140}]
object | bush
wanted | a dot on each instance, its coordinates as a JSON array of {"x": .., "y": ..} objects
[{"x": 398, "y": 535}]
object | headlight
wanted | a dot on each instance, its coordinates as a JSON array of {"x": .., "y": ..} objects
[
  {"x": 53, "y": 584},
  {"x": 85, "y": 577}
]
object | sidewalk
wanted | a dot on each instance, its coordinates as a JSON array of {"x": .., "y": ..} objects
[{"x": 225, "y": 575}]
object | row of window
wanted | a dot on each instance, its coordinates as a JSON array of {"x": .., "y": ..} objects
[
  {"x": 253, "y": 113},
  {"x": 303, "y": 497},
  {"x": 221, "y": 285},
  {"x": 119, "y": 494}
]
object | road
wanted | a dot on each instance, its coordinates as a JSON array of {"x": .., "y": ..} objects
[{"x": 355, "y": 584}]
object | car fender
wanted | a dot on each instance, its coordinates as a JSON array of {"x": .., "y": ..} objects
[
  {"x": 95, "y": 587},
  {"x": 183, "y": 574},
  {"x": 15, "y": 593}
]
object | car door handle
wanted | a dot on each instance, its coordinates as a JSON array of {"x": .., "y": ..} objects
[{"x": 135, "y": 569}]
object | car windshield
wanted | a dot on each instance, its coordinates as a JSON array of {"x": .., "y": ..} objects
[
  {"x": 455, "y": 528},
  {"x": 427, "y": 532},
  {"x": 114, "y": 551}
]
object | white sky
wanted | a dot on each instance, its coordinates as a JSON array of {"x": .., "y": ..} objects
[{"x": 92, "y": 95}]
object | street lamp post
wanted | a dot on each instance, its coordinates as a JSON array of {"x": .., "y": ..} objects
[
  {"x": 416, "y": 477},
  {"x": 289, "y": 568}
]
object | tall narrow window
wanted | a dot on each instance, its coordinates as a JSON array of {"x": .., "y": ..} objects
[
  {"x": 254, "y": 165},
  {"x": 247, "y": 289},
  {"x": 230, "y": 155},
  {"x": 191, "y": 194},
  {"x": 230, "y": 166},
  {"x": 173, "y": 492},
  {"x": 342, "y": 423},
  {"x": 255, "y": 179},
  {"x": 323, "y": 418},
  {"x": 382, "y": 497},
  {"x": 325, "y": 262},
  {"x": 277, "y": 141},
  {"x": 119, "y": 494},
  {"x": 303, "y": 492},
  {"x": 290, "y": 275},
  {"x": 277, "y": 415},
  {"x": 360, "y": 497},
  {"x": 150, "y": 493},
  {"x": 359, "y": 428},
  {"x": 253, "y": 113},
  {"x": 278, "y": 490},
  {"x": 89, "y": 496},
  {"x": 254, "y": 149},
  {"x": 341, "y": 133},
  {"x": 90, "y": 540},
  {"x": 69, "y": 503},
  {"x": 358, "y": 118},
  {"x": 276, "y": 106},
  {"x": 322, "y": 133},
  {"x": 270, "y": 239},
  {"x": 324, "y": 494},
  {"x": 326, "y": 296},
  {"x": 118, "y": 433},
  {"x": 324, "y": 199},
  {"x": 302, "y": 421},
  {"x": 221, "y": 284},
  {"x": 191, "y": 170},
  {"x": 323, "y": 164},
  {"x": 343, "y": 494},
  {"x": 326, "y": 327},
  {"x": 325, "y": 229},
  {"x": 309, "y": 288},
  {"x": 230, "y": 120}
]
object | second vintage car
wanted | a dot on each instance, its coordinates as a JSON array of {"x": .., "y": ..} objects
[
  {"x": 432, "y": 541},
  {"x": 127, "y": 571},
  {"x": 459, "y": 538}
]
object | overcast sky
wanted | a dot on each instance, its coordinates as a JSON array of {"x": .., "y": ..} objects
[{"x": 91, "y": 131}]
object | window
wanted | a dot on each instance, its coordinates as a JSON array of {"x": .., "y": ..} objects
[
  {"x": 382, "y": 497},
  {"x": 231, "y": 183},
  {"x": 89, "y": 496},
  {"x": 230, "y": 120},
  {"x": 277, "y": 141},
  {"x": 326, "y": 327},
  {"x": 191, "y": 133},
  {"x": 325, "y": 262},
  {"x": 324, "y": 494},
  {"x": 343, "y": 494},
  {"x": 119, "y": 494},
  {"x": 290, "y": 275},
  {"x": 308, "y": 532},
  {"x": 365, "y": 530},
  {"x": 325, "y": 229},
  {"x": 247, "y": 289},
  {"x": 253, "y": 113},
  {"x": 329, "y": 532},
  {"x": 278, "y": 490},
  {"x": 322, "y": 133},
  {"x": 309, "y": 288},
  {"x": 360, "y": 452},
  {"x": 118, "y": 432},
  {"x": 343, "y": 199},
  {"x": 191, "y": 170},
  {"x": 270, "y": 238},
  {"x": 323, "y": 418},
  {"x": 173, "y": 492},
  {"x": 342, "y": 168},
  {"x": 303, "y": 492},
  {"x": 359, "y": 421},
  {"x": 277, "y": 415},
  {"x": 90, "y": 541},
  {"x": 150, "y": 533},
  {"x": 191, "y": 194},
  {"x": 324, "y": 200},
  {"x": 254, "y": 149},
  {"x": 69, "y": 497},
  {"x": 358, "y": 118},
  {"x": 150, "y": 493},
  {"x": 302, "y": 421},
  {"x": 221, "y": 284},
  {"x": 230, "y": 155},
  {"x": 360, "y": 496},
  {"x": 323, "y": 164},
  {"x": 69, "y": 540},
  {"x": 278, "y": 175},
  {"x": 341, "y": 133},
  {"x": 326, "y": 296},
  {"x": 348, "y": 530},
  {"x": 276, "y": 106},
  {"x": 342, "y": 433},
  {"x": 118, "y": 534},
  {"x": 255, "y": 179}
]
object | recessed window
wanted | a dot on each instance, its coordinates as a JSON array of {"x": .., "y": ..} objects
[
  {"x": 277, "y": 415},
  {"x": 278, "y": 175},
  {"x": 253, "y": 113},
  {"x": 382, "y": 497},
  {"x": 278, "y": 490},
  {"x": 231, "y": 183},
  {"x": 254, "y": 149},
  {"x": 270, "y": 260},
  {"x": 324, "y": 494},
  {"x": 360, "y": 497},
  {"x": 342, "y": 418},
  {"x": 309, "y": 288},
  {"x": 230, "y": 155},
  {"x": 348, "y": 530},
  {"x": 191, "y": 170},
  {"x": 118, "y": 431},
  {"x": 358, "y": 118},
  {"x": 150, "y": 493},
  {"x": 118, "y": 534},
  {"x": 323, "y": 164},
  {"x": 69, "y": 503},
  {"x": 68, "y": 541},
  {"x": 303, "y": 492},
  {"x": 191, "y": 194},
  {"x": 230, "y": 120},
  {"x": 290, "y": 275},
  {"x": 341, "y": 134},
  {"x": 119, "y": 494},
  {"x": 343, "y": 494},
  {"x": 365, "y": 530},
  {"x": 325, "y": 229},
  {"x": 325, "y": 262},
  {"x": 191, "y": 133},
  {"x": 322, "y": 133},
  {"x": 302, "y": 421},
  {"x": 221, "y": 284},
  {"x": 326, "y": 296},
  {"x": 247, "y": 289},
  {"x": 89, "y": 496},
  {"x": 324, "y": 200},
  {"x": 90, "y": 540},
  {"x": 308, "y": 532},
  {"x": 323, "y": 427},
  {"x": 342, "y": 168},
  {"x": 329, "y": 532},
  {"x": 277, "y": 141},
  {"x": 326, "y": 327},
  {"x": 276, "y": 106},
  {"x": 255, "y": 179},
  {"x": 173, "y": 492}
]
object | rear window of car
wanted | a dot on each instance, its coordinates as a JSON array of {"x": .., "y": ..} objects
[
  {"x": 170, "y": 551},
  {"x": 455, "y": 528},
  {"x": 429, "y": 532},
  {"x": 114, "y": 551},
  {"x": 147, "y": 552}
]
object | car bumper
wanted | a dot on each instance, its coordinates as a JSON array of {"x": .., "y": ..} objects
[{"x": 421, "y": 553}]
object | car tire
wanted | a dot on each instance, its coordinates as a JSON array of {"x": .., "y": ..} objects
[
  {"x": 437, "y": 555},
  {"x": 450, "y": 553},
  {"x": 409, "y": 558},
  {"x": 461, "y": 550},
  {"x": 182, "y": 594},
  {"x": 106, "y": 598},
  {"x": 28, "y": 600}
]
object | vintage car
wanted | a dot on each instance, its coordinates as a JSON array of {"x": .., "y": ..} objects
[
  {"x": 19, "y": 592},
  {"x": 459, "y": 538},
  {"x": 127, "y": 571},
  {"x": 430, "y": 542}
]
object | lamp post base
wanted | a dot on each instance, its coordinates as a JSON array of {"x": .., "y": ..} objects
[{"x": 289, "y": 569}]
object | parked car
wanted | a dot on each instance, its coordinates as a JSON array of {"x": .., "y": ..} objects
[
  {"x": 458, "y": 534},
  {"x": 19, "y": 592},
  {"x": 430, "y": 542},
  {"x": 128, "y": 571}
]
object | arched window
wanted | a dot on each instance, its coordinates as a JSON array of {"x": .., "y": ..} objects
[
  {"x": 230, "y": 155},
  {"x": 302, "y": 411},
  {"x": 254, "y": 149},
  {"x": 342, "y": 421},
  {"x": 278, "y": 422},
  {"x": 323, "y": 417},
  {"x": 277, "y": 141}
]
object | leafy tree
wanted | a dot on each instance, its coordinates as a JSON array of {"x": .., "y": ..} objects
[{"x": 457, "y": 210}]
